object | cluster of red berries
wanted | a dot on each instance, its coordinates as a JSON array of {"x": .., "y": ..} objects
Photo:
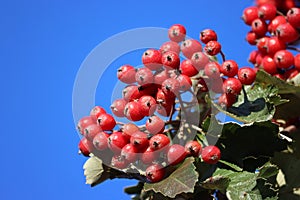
[
  {"x": 274, "y": 28},
  {"x": 152, "y": 92}
]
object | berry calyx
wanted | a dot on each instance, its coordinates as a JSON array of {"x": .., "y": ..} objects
[
  {"x": 159, "y": 142},
  {"x": 171, "y": 60},
  {"x": 284, "y": 59},
  {"x": 229, "y": 68},
  {"x": 148, "y": 105},
  {"x": 212, "y": 48}
]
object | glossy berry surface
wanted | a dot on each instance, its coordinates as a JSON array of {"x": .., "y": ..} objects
[
  {"x": 170, "y": 60},
  {"x": 284, "y": 59},
  {"x": 106, "y": 122},
  {"x": 227, "y": 100},
  {"x": 170, "y": 46},
  {"x": 149, "y": 156},
  {"x": 211, "y": 154},
  {"x": 155, "y": 173},
  {"x": 229, "y": 68},
  {"x": 159, "y": 141},
  {"x": 117, "y": 107},
  {"x": 176, "y": 154},
  {"x": 116, "y": 141},
  {"x": 246, "y": 75},
  {"x": 212, "y": 48},
  {"x": 155, "y": 125},
  {"x": 188, "y": 69},
  {"x": 130, "y": 153},
  {"x": 133, "y": 112},
  {"x": 100, "y": 141},
  {"x": 189, "y": 47},
  {"x": 126, "y": 74},
  {"x": 144, "y": 76},
  {"x": 212, "y": 70},
  {"x": 85, "y": 147},
  {"x": 148, "y": 105},
  {"x": 177, "y": 33},
  {"x": 96, "y": 111},
  {"x": 152, "y": 59},
  {"x": 199, "y": 60},
  {"x": 91, "y": 131},
  {"x": 208, "y": 35},
  {"x": 232, "y": 86},
  {"x": 84, "y": 122},
  {"x": 139, "y": 140},
  {"x": 193, "y": 148}
]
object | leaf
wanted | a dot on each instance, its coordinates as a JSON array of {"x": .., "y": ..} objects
[
  {"x": 216, "y": 183},
  {"x": 258, "y": 105},
  {"x": 268, "y": 170},
  {"x": 93, "y": 170},
  {"x": 182, "y": 180},
  {"x": 283, "y": 86},
  {"x": 233, "y": 166},
  {"x": 235, "y": 194}
]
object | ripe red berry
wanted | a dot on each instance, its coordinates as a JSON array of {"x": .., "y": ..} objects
[
  {"x": 155, "y": 173},
  {"x": 130, "y": 93},
  {"x": 152, "y": 59},
  {"x": 293, "y": 17},
  {"x": 189, "y": 47},
  {"x": 100, "y": 141},
  {"x": 116, "y": 141},
  {"x": 273, "y": 45},
  {"x": 119, "y": 162},
  {"x": 202, "y": 85},
  {"x": 176, "y": 154},
  {"x": 252, "y": 56},
  {"x": 185, "y": 82},
  {"x": 251, "y": 38},
  {"x": 171, "y": 60},
  {"x": 85, "y": 147},
  {"x": 117, "y": 107},
  {"x": 193, "y": 148},
  {"x": 126, "y": 74},
  {"x": 262, "y": 44},
  {"x": 297, "y": 62},
  {"x": 187, "y": 68},
  {"x": 96, "y": 111},
  {"x": 216, "y": 85},
  {"x": 170, "y": 87},
  {"x": 232, "y": 86},
  {"x": 160, "y": 76},
  {"x": 144, "y": 76},
  {"x": 129, "y": 128},
  {"x": 269, "y": 65},
  {"x": 267, "y": 11},
  {"x": 91, "y": 131},
  {"x": 289, "y": 74},
  {"x": 177, "y": 33},
  {"x": 229, "y": 68},
  {"x": 106, "y": 122},
  {"x": 140, "y": 141},
  {"x": 170, "y": 46},
  {"x": 164, "y": 99},
  {"x": 212, "y": 48},
  {"x": 287, "y": 33},
  {"x": 250, "y": 14},
  {"x": 130, "y": 153},
  {"x": 208, "y": 35},
  {"x": 246, "y": 75},
  {"x": 149, "y": 156},
  {"x": 199, "y": 60},
  {"x": 259, "y": 27},
  {"x": 84, "y": 122},
  {"x": 212, "y": 70},
  {"x": 155, "y": 125},
  {"x": 280, "y": 76},
  {"x": 284, "y": 59},
  {"x": 275, "y": 23},
  {"x": 159, "y": 142},
  {"x": 227, "y": 100},
  {"x": 211, "y": 154},
  {"x": 148, "y": 105},
  {"x": 133, "y": 112},
  {"x": 165, "y": 110}
]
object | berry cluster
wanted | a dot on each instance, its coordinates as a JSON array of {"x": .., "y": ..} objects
[
  {"x": 274, "y": 29},
  {"x": 154, "y": 92}
]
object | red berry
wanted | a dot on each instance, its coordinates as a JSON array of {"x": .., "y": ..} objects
[
  {"x": 297, "y": 62},
  {"x": 212, "y": 48},
  {"x": 269, "y": 65},
  {"x": 100, "y": 141},
  {"x": 159, "y": 142},
  {"x": 202, "y": 85},
  {"x": 96, "y": 111},
  {"x": 171, "y": 60},
  {"x": 189, "y": 47},
  {"x": 208, "y": 35},
  {"x": 130, "y": 153},
  {"x": 185, "y": 82},
  {"x": 152, "y": 59},
  {"x": 160, "y": 76},
  {"x": 164, "y": 99},
  {"x": 133, "y": 111},
  {"x": 84, "y": 122},
  {"x": 232, "y": 86},
  {"x": 199, "y": 60},
  {"x": 216, "y": 85},
  {"x": 144, "y": 76},
  {"x": 139, "y": 140},
  {"x": 170, "y": 87},
  {"x": 129, "y": 128},
  {"x": 250, "y": 14},
  {"x": 155, "y": 173},
  {"x": 262, "y": 44},
  {"x": 267, "y": 11},
  {"x": 85, "y": 147},
  {"x": 106, "y": 122},
  {"x": 211, "y": 154},
  {"x": 275, "y": 23},
  {"x": 148, "y": 105},
  {"x": 165, "y": 110},
  {"x": 273, "y": 45},
  {"x": 149, "y": 156},
  {"x": 229, "y": 68},
  {"x": 90, "y": 131},
  {"x": 117, "y": 107},
  {"x": 287, "y": 33},
  {"x": 187, "y": 68},
  {"x": 212, "y": 70},
  {"x": 126, "y": 74},
  {"x": 252, "y": 56},
  {"x": 293, "y": 17},
  {"x": 284, "y": 59},
  {"x": 119, "y": 162},
  {"x": 170, "y": 46},
  {"x": 193, "y": 148},
  {"x": 246, "y": 75},
  {"x": 130, "y": 93},
  {"x": 177, "y": 33},
  {"x": 155, "y": 125},
  {"x": 280, "y": 76},
  {"x": 291, "y": 73},
  {"x": 116, "y": 141},
  {"x": 252, "y": 38},
  {"x": 259, "y": 27},
  {"x": 176, "y": 154},
  {"x": 227, "y": 100}
]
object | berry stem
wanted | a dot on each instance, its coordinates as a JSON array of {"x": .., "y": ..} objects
[
  {"x": 245, "y": 94},
  {"x": 223, "y": 56},
  {"x": 293, "y": 48}
]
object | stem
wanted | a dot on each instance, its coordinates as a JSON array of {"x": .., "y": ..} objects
[
  {"x": 245, "y": 94},
  {"x": 223, "y": 56},
  {"x": 293, "y": 48}
]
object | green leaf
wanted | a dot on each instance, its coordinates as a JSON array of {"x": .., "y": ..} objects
[
  {"x": 235, "y": 194},
  {"x": 216, "y": 183},
  {"x": 233, "y": 166},
  {"x": 283, "y": 86},
  {"x": 268, "y": 170},
  {"x": 93, "y": 170},
  {"x": 182, "y": 180}
]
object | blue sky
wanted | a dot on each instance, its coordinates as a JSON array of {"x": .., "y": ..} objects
[{"x": 43, "y": 44}]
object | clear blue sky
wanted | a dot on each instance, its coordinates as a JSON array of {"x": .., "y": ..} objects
[{"x": 43, "y": 44}]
